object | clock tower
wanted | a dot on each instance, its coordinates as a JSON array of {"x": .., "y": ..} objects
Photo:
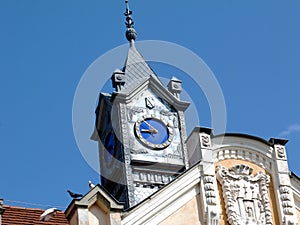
[{"x": 140, "y": 129}]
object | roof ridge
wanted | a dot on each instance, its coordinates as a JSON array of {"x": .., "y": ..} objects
[{"x": 20, "y": 207}]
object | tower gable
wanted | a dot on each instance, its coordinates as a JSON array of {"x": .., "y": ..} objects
[{"x": 154, "y": 85}]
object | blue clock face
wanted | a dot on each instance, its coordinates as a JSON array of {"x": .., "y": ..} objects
[{"x": 153, "y": 133}]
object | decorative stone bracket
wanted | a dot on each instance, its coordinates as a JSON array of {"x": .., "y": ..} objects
[
  {"x": 212, "y": 207},
  {"x": 286, "y": 199},
  {"x": 205, "y": 140}
]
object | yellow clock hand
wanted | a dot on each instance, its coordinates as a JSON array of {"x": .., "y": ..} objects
[
  {"x": 149, "y": 125},
  {"x": 149, "y": 131}
]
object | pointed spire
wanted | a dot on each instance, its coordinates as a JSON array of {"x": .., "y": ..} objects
[
  {"x": 136, "y": 70},
  {"x": 130, "y": 32}
]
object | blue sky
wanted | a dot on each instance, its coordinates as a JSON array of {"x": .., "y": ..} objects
[{"x": 46, "y": 46}]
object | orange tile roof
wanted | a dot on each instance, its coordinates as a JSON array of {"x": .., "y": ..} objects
[{"x": 26, "y": 216}]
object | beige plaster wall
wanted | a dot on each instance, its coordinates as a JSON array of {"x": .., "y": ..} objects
[
  {"x": 298, "y": 215},
  {"x": 98, "y": 216},
  {"x": 188, "y": 214},
  {"x": 231, "y": 162}
]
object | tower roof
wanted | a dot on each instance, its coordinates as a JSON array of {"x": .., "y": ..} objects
[{"x": 136, "y": 68}]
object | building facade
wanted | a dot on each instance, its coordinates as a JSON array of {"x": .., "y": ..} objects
[
  {"x": 152, "y": 172},
  {"x": 233, "y": 179}
]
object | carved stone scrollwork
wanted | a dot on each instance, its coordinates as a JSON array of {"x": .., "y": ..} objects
[
  {"x": 209, "y": 189},
  {"x": 166, "y": 113},
  {"x": 133, "y": 111},
  {"x": 212, "y": 214},
  {"x": 245, "y": 195},
  {"x": 289, "y": 221},
  {"x": 213, "y": 217},
  {"x": 139, "y": 151},
  {"x": 286, "y": 200},
  {"x": 175, "y": 120}
]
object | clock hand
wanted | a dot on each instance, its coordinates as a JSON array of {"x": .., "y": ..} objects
[
  {"x": 149, "y": 125},
  {"x": 153, "y": 131}
]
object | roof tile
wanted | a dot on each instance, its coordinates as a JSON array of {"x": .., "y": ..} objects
[{"x": 29, "y": 216}]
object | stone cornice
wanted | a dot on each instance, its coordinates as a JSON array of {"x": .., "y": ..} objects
[{"x": 157, "y": 88}]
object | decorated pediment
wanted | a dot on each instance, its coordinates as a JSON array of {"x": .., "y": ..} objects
[{"x": 245, "y": 195}]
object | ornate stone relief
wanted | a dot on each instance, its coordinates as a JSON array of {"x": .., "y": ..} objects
[
  {"x": 205, "y": 141},
  {"x": 209, "y": 189},
  {"x": 287, "y": 205},
  {"x": 286, "y": 200},
  {"x": 167, "y": 113},
  {"x": 147, "y": 177},
  {"x": 133, "y": 113},
  {"x": 245, "y": 195},
  {"x": 133, "y": 150},
  {"x": 172, "y": 117},
  {"x": 280, "y": 152},
  {"x": 213, "y": 215}
]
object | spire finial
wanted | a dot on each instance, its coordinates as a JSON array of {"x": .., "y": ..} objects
[{"x": 130, "y": 32}]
